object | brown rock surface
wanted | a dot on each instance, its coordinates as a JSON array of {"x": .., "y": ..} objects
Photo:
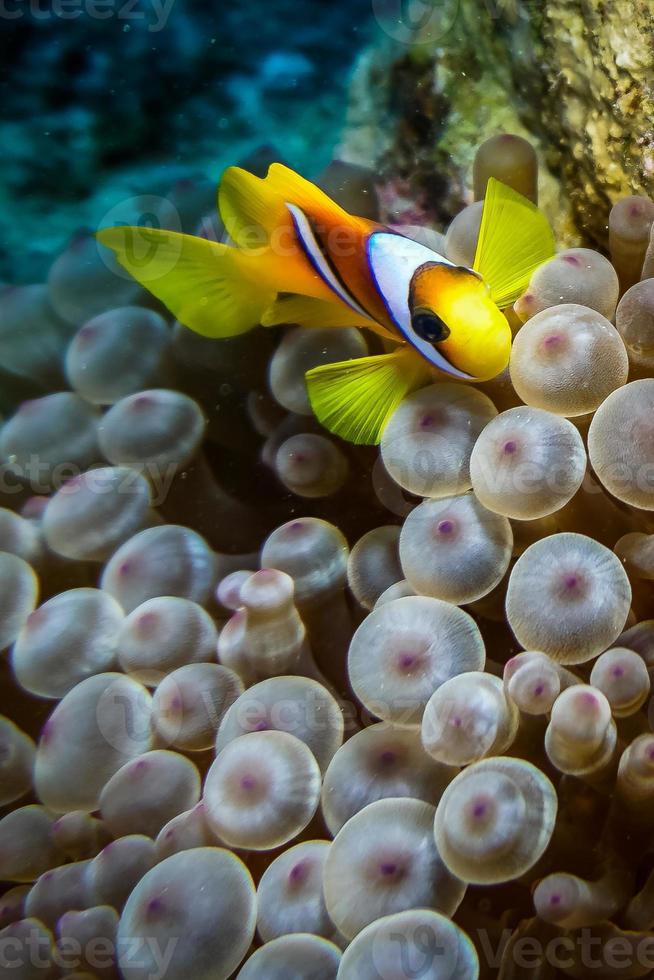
[{"x": 576, "y": 77}]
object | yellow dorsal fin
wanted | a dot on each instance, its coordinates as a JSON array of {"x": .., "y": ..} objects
[
  {"x": 251, "y": 208},
  {"x": 257, "y": 218},
  {"x": 355, "y": 399},
  {"x": 211, "y": 288},
  {"x": 514, "y": 239},
  {"x": 309, "y": 312},
  {"x": 254, "y": 208},
  {"x": 295, "y": 189}
]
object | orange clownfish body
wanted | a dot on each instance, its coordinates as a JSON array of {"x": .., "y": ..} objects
[{"x": 300, "y": 258}]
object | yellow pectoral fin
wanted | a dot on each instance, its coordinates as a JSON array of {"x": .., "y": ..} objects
[
  {"x": 309, "y": 312},
  {"x": 211, "y": 288},
  {"x": 514, "y": 239},
  {"x": 355, "y": 399}
]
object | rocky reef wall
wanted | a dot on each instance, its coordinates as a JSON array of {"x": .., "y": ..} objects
[{"x": 574, "y": 76}]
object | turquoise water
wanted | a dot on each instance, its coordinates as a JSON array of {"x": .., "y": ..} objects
[{"x": 104, "y": 99}]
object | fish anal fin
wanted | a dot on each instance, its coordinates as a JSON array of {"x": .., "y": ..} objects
[
  {"x": 514, "y": 239},
  {"x": 309, "y": 312},
  {"x": 355, "y": 399}
]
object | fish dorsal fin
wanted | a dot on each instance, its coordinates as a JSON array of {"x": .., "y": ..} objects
[
  {"x": 355, "y": 399},
  {"x": 275, "y": 216},
  {"x": 317, "y": 205},
  {"x": 251, "y": 208},
  {"x": 255, "y": 208},
  {"x": 514, "y": 239}
]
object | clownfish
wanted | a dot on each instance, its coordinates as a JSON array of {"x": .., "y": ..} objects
[{"x": 297, "y": 257}]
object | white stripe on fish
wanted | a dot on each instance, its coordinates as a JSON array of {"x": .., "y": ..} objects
[{"x": 393, "y": 261}]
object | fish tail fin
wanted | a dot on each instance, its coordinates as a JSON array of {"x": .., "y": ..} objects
[
  {"x": 514, "y": 239},
  {"x": 214, "y": 289},
  {"x": 355, "y": 399}
]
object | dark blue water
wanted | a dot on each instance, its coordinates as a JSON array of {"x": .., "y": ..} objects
[{"x": 104, "y": 98}]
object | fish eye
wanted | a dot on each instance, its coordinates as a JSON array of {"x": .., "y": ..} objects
[{"x": 429, "y": 327}]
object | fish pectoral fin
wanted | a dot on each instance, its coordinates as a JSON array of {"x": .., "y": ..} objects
[
  {"x": 209, "y": 287},
  {"x": 514, "y": 239},
  {"x": 309, "y": 312},
  {"x": 355, "y": 399}
]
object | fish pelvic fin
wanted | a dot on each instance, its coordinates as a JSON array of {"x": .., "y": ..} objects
[
  {"x": 354, "y": 399},
  {"x": 514, "y": 239},
  {"x": 213, "y": 289}
]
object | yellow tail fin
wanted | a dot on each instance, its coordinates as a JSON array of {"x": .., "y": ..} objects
[
  {"x": 514, "y": 239},
  {"x": 355, "y": 399},
  {"x": 211, "y": 288}
]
